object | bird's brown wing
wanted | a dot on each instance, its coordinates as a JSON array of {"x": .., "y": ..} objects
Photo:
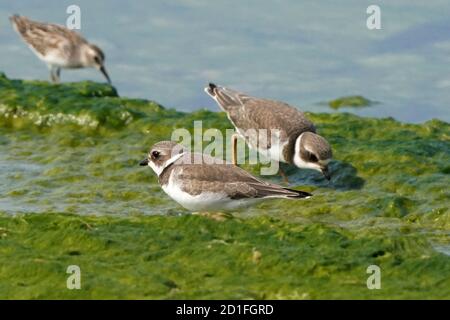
[
  {"x": 234, "y": 181},
  {"x": 246, "y": 113},
  {"x": 44, "y": 37}
]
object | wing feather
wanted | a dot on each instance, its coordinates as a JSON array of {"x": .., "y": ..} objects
[
  {"x": 234, "y": 181},
  {"x": 44, "y": 37},
  {"x": 247, "y": 113}
]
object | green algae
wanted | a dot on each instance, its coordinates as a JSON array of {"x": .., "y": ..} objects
[
  {"x": 85, "y": 104},
  {"x": 350, "y": 101},
  {"x": 191, "y": 257},
  {"x": 74, "y": 149}
]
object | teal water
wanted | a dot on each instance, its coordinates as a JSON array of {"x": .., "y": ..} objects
[{"x": 302, "y": 52}]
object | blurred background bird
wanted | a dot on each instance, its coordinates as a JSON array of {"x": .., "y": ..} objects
[{"x": 59, "y": 47}]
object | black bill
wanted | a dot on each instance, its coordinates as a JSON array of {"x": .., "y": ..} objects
[
  {"x": 144, "y": 162},
  {"x": 326, "y": 173},
  {"x": 103, "y": 70}
]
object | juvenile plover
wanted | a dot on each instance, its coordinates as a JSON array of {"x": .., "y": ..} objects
[
  {"x": 201, "y": 183},
  {"x": 59, "y": 47},
  {"x": 296, "y": 139}
]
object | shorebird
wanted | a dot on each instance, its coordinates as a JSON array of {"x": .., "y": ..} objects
[
  {"x": 296, "y": 141},
  {"x": 201, "y": 183},
  {"x": 59, "y": 47}
]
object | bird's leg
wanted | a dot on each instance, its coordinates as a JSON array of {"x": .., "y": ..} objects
[
  {"x": 284, "y": 176},
  {"x": 58, "y": 73},
  {"x": 234, "y": 138},
  {"x": 54, "y": 74}
]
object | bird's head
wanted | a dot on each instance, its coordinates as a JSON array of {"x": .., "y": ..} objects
[
  {"x": 161, "y": 155},
  {"x": 95, "y": 58},
  {"x": 313, "y": 152}
]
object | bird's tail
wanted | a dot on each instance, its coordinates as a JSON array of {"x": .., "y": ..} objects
[
  {"x": 225, "y": 98},
  {"x": 19, "y": 23},
  {"x": 211, "y": 90},
  {"x": 269, "y": 190},
  {"x": 298, "y": 194}
]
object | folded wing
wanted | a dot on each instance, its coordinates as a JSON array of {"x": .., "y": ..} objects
[
  {"x": 43, "y": 37},
  {"x": 234, "y": 181}
]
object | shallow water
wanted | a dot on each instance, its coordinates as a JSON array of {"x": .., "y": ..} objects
[
  {"x": 302, "y": 52},
  {"x": 78, "y": 152}
]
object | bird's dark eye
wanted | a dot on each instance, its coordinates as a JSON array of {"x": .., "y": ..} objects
[
  {"x": 155, "y": 154},
  {"x": 97, "y": 59},
  {"x": 312, "y": 157}
]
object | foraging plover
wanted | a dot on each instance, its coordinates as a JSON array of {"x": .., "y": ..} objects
[
  {"x": 59, "y": 47},
  {"x": 296, "y": 139},
  {"x": 202, "y": 183}
]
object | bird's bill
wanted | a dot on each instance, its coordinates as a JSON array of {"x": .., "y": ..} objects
[
  {"x": 144, "y": 162},
  {"x": 325, "y": 172},
  {"x": 103, "y": 70}
]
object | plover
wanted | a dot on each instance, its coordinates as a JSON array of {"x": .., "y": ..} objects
[
  {"x": 201, "y": 183},
  {"x": 296, "y": 139},
  {"x": 59, "y": 47}
]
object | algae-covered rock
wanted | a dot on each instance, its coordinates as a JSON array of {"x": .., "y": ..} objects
[
  {"x": 350, "y": 101},
  {"x": 193, "y": 257},
  {"x": 85, "y": 104},
  {"x": 72, "y": 192}
]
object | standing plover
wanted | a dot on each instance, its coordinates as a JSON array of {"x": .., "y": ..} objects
[
  {"x": 296, "y": 139},
  {"x": 202, "y": 183},
  {"x": 59, "y": 47}
]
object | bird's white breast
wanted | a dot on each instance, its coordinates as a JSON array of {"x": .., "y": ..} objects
[
  {"x": 276, "y": 150},
  {"x": 205, "y": 201},
  {"x": 56, "y": 58}
]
